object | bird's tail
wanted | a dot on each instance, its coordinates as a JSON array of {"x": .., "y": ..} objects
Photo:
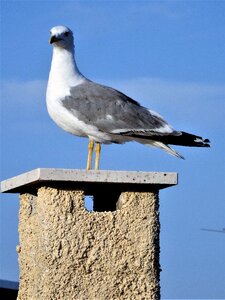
[
  {"x": 185, "y": 139},
  {"x": 165, "y": 147},
  {"x": 181, "y": 139}
]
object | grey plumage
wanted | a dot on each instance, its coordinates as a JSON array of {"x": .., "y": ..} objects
[{"x": 92, "y": 103}]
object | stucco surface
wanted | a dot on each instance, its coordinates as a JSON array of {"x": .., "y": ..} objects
[{"x": 68, "y": 253}]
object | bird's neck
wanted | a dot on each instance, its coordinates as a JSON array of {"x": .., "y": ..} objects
[{"x": 64, "y": 69}]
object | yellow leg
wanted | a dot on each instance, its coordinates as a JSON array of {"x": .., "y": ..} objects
[
  {"x": 97, "y": 155},
  {"x": 90, "y": 152}
]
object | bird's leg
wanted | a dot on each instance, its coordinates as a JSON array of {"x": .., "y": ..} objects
[
  {"x": 97, "y": 155},
  {"x": 90, "y": 152}
]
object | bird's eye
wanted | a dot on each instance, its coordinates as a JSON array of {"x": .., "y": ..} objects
[{"x": 66, "y": 33}]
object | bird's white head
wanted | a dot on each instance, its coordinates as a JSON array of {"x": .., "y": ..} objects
[{"x": 61, "y": 36}]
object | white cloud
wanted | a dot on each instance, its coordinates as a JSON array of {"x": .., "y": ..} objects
[
  {"x": 23, "y": 107},
  {"x": 183, "y": 104},
  {"x": 23, "y": 93}
]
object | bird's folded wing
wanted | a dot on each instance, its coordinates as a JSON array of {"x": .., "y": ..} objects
[{"x": 113, "y": 112}]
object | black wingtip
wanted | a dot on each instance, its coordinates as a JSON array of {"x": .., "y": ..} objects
[
  {"x": 194, "y": 140},
  {"x": 206, "y": 143}
]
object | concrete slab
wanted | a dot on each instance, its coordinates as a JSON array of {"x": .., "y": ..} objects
[{"x": 70, "y": 178}]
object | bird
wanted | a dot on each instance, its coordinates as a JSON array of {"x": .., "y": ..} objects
[{"x": 100, "y": 113}]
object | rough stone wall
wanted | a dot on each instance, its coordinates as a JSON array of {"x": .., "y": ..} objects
[{"x": 68, "y": 253}]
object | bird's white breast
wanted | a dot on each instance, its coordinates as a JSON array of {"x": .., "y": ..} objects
[
  {"x": 69, "y": 122},
  {"x": 63, "y": 76},
  {"x": 62, "y": 116}
]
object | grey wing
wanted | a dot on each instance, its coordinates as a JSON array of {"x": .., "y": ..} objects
[{"x": 112, "y": 111}]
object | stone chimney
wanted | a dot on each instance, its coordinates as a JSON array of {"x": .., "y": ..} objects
[{"x": 69, "y": 253}]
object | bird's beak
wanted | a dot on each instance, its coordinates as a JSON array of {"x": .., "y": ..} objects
[{"x": 54, "y": 39}]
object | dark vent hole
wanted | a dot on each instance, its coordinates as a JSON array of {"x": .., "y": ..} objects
[{"x": 102, "y": 201}]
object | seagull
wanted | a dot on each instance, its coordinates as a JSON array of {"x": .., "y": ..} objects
[{"x": 102, "y": 114}]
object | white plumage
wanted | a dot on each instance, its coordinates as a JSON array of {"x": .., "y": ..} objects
[{"x": 104, "y": 115}]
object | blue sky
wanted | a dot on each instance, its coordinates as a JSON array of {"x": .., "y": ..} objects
[{"x": 168, "y": 55}]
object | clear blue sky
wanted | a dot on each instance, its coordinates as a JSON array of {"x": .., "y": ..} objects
[{"x": 168, "y": 55}]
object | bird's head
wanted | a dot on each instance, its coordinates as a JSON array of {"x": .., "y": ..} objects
[{"x": 61, "y": 36}]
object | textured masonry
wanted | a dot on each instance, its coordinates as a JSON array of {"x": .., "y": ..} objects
[{"x": 67, "y": 252}]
